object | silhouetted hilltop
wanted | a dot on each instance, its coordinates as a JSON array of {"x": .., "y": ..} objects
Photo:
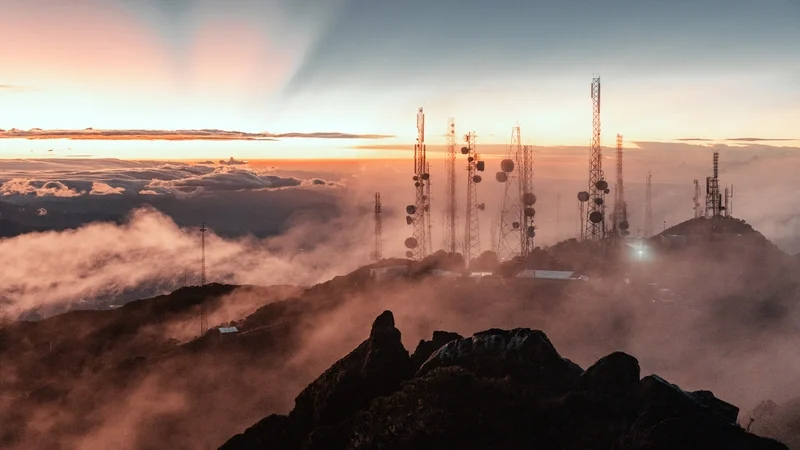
[
  {"x": 710, "y": 226},
  {"x": 506, "y": 389}
]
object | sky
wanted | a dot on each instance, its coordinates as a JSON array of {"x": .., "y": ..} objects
[{"x": 712, "y": 69}]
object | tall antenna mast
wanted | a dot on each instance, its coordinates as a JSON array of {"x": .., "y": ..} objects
[
  {"x": 620, "y": 206},
  {"x": 428, "y": 221},
  {"x": 528, "y": 230},
  {"x": 203, "y": 314},
  {"x": 509, "y": 243},
  {"x": 713, "y": 200},
  {"x": 648, "y": 207},
  {"x": 472, "y": 237},
  {"x": 417, "y": 243},
  {"x": 558, "y": 216},
  {"x": 595, "y": 226},
  {"x": 698, "y": 212},
  {"x": 203, "y": 230},
  {"x": 376, "y": 256},
  {"x": 451, "y": 213}
]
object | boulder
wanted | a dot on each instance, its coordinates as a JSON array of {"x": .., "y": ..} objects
[
  {"x": 616, "y": 374},
  {"x": 426, "y": 348},
  {"x": 374, "y": 368},
  {"x": 522, "y": 354}
]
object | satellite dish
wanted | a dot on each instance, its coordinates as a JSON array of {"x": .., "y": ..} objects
[
  {"x": 507, "y": 165},
  {"x": 602, "y": 185},
  {"x": 607, "y": 191},
  {"x": 411, "y": 242},
  {"x": 416, "y": 178},
  {"x": 426, "y": 176},
  {"x": 477, "y": 178},
  {"x": 481, "y": 165},
  {"x": 482, "y": 206},
  {"x": 598, "y": 201},
  {"x": 529, "y": 199},
  {"x": 530, "y": 212},
  {"x": 515, "y": 225},
  {"x": 409, "y": 254},
  {"x": 427, "y": 208},
  {"x": 596, "y": 217},
  {"x": 624, "y": 225},
  {"x": 470, "y": 159},
  {"x": 583, "y": 196},
  {"x": 424, "y": 197},
  {"x": 464, "y": 150},
  {"x": 501, "y": 177},
  {"x": 531, "y": 232},
  {"x": 409, "y": 220},
  {"x": 417, "y": 184},
  {"x": 411, "y": 210}
]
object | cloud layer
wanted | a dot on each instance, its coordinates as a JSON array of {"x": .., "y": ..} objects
[
  {"x": 174, "y": 135},
  {"x": 58, "y": 178}
]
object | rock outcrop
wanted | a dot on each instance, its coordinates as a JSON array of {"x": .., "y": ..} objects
[{"x": 505, "y": 389}]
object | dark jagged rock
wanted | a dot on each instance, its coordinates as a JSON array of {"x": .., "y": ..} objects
[
  {"x": 664, "y": 399},
  {"x": 426, "y": 348},
  {"x": 523, "y": 354},
  {"x": 722, "y": 408},
  {"x": 375, "y": 368},
  {"x": 496, "y": 389},
  {"x": 616, "y": 373}
]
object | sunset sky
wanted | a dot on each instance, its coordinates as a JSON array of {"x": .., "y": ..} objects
[{"x": 675, "y": 69}]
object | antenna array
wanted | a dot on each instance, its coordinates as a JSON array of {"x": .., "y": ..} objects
[
  {"x": 418, "y": 212},
  {"x": 451, "y": 213},
  {"x": 472, "y": 238},
  {"x": 598, "y": 187}
]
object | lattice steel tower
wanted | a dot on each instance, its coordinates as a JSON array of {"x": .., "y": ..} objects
[
  {"x": 509, "y": 240},
  {"x": 203, "y": 313},
  {"x": 472, "y": 237},
  {"x": 451, "y": 212},
  {"x": 428, "y": 221},
  {"x": 528, "y": 231},
  {"x": 648, "y": 207},
  {"x": 377, "y": 253},
  {"x": 595, "y": 225},
  {"x": 713, "y": 197},
  {"x": 417, "y": 213},
  {"x": 620, "y": 219},
  {"x": 698, "y": 211}
]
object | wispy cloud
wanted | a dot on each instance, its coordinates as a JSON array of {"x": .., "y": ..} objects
[
  {"x": 756, "y": 139},
  {"x": 175, "y": 135},
  {"x": 15, "y": 88},
  {"x": 739, "y": 139}
]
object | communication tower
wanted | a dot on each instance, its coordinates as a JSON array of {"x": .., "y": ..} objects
[
  {"x": 451, "y": 212},
  {"x": 509, "y": 243},
  {"x": 203, "y": 314},
  {"x": 698, "y": 211},
  {"x": 528, "y": 230},
  {"x": 417, "y": 213},
  {"x": 472, "y": 238},
  {"x": 376, "y": 255},
  {"x": 428, "y": 221},
  {"x": 620, "y": 220},
  {"x": 713, "y": 198},
  {"x": 598, "y": 187},
  {"x": 648, "y": 207}
]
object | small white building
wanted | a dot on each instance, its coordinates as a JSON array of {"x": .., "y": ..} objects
[{"x": 567, "y": 275}]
